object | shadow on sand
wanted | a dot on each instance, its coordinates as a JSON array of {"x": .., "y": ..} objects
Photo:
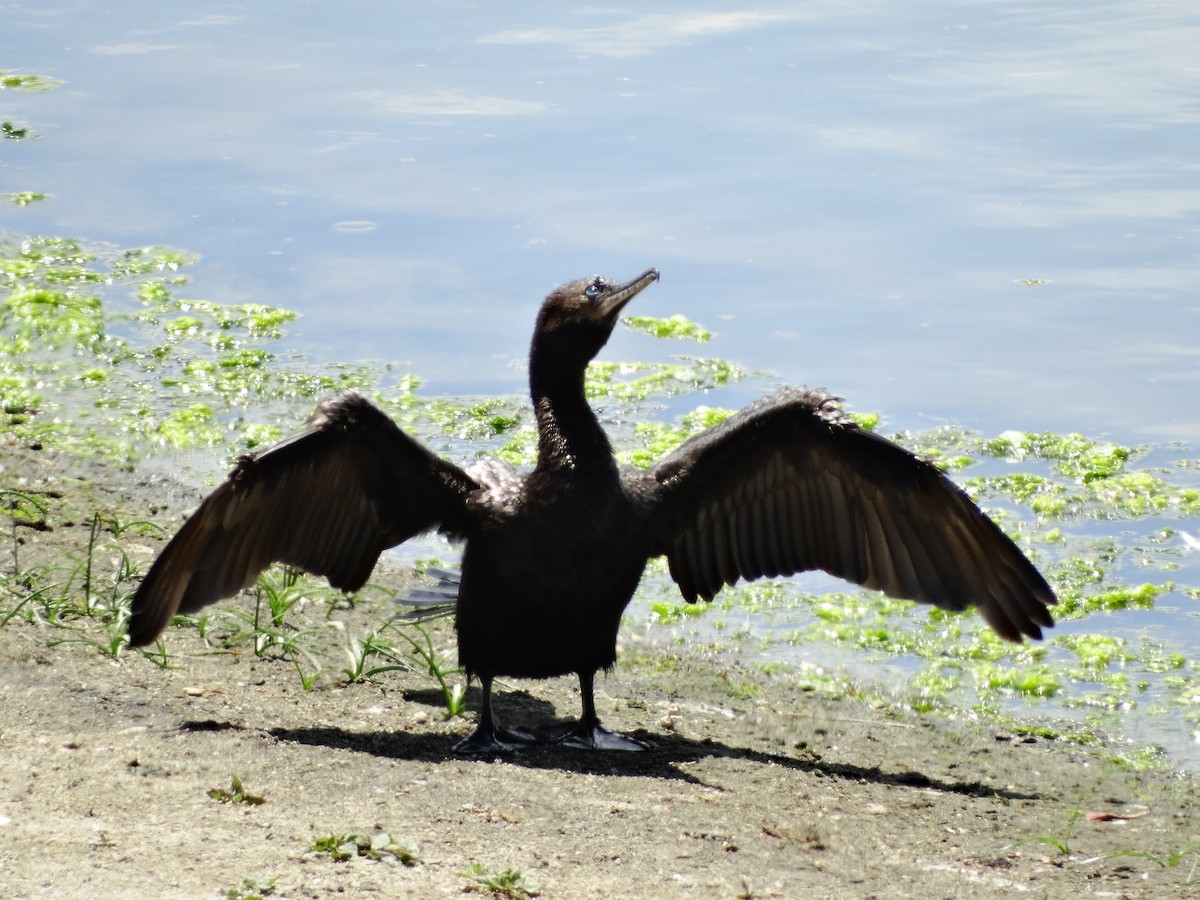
[{"x": 665, "y": 758}]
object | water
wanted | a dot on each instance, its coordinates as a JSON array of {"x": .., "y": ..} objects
[{"x": 981, "y": 214}]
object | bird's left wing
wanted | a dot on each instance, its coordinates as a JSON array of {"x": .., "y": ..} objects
[
  {"x": 791, "y": 484},
  {"x": 329, "y": 499}
]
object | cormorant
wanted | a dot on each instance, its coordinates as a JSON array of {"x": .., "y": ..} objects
[{"x": 553, "y": 556}]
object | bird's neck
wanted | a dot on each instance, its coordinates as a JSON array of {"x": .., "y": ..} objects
[{"x": 569, "y": 434}]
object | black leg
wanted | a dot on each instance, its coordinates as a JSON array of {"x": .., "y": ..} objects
[
  {"x": 588, "y": 733},
  {"x": 488, "y": 737}
]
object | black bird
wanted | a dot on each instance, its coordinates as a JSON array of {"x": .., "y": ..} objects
[{"x": 553, "y": 556}]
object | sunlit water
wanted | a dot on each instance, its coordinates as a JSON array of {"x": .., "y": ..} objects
[{"x": 983, "y": 214}]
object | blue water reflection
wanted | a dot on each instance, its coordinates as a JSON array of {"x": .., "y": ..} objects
[
  {"x": 858, "y": 190},
  {"x": 986, "y": 214}
]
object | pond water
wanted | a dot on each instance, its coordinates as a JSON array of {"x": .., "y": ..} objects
[{"x": 980, "y": 214}]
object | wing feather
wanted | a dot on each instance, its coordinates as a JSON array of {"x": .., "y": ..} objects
[
  {"x": 329, "y": 500},
  {"x": 791, "y": 484}
]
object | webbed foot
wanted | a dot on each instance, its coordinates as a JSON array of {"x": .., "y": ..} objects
[
  {"x": 490, "y": 740},
  {"x": 583, "y": 736}
]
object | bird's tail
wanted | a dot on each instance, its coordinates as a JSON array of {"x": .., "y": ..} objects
[{"x": 431, "y": 601}]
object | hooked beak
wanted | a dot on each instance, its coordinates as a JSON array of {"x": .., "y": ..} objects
[{"x": 615, "y": 302}]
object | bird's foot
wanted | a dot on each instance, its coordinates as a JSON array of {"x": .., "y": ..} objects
[
  {"x": 490, "y": 739},
  {"x": 583, "y": 736}
]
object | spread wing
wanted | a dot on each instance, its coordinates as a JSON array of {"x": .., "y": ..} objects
[
  {"x": 329, "y": 499},
  {"x": 791, "y": 484}
]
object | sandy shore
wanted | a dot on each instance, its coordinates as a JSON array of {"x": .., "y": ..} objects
[{"x": 751, "y": 788}]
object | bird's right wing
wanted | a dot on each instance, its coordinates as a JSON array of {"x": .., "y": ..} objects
[
  {"x": 329, "y": 499},
  {"x": 791, "y": 484}
]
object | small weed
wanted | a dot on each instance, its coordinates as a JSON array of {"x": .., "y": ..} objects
[
  {"x": 1061, "y": 844},
  {"x": 111, "y": 644},
  {"x": 279, "y": 587},
  {"x": 157, "y": 654},
  {"x": 506, "y": 883},
  {"x": 24, "y": 508},
  {"x": 424, "y": 651},
  {"x": 277, "y": 591},
  {"x": 362, "y": 650},
  {"x": 338, "y": 847},
  {"x": 236, "y": 794},
  {"x": 97, "y": 587},
  {"x": 308, "y": 680},
  {"x": 1170, "y": 861},
  {"x": 250, "y": 889},
  {"x": 341, "y": 847}
]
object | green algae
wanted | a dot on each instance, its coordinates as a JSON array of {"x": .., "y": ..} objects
[
  {"x": 16, "y": 81},
  {"x": 1073, "y": 455},
  {"x": 640, "y": 381},
  {"x": 1040, "y": 681},
  {"x": 1125, "y": 495},
  {"x": 1075, "y": 604},
  {"x": 100, "y": 352},
  {"x": 865, "y": 421},
  {"x": 670, "y": 612},
  {"x": 677, "y": 327},
  {"x": 1097, "y": 651},
  {"x": 22, "y": 198},
  {"x": 657, "y": 439}
]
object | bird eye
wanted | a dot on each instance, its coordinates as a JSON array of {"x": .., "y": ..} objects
[{"x": 594, "y": 289}]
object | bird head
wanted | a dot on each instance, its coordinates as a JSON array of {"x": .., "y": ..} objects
[{"x": 578, "y": 317}]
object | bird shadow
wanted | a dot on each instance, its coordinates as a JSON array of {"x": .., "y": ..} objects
[
  {"x": 668, "y": 751},
  {"x": 667, "y": 754},
  {"x": 665, "y": 758}
]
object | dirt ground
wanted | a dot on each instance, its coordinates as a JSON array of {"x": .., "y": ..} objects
[{"x": 752, "y": 788}]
